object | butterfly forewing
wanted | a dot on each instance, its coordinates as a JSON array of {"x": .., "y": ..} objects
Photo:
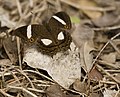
[{"x": 60, "y": 20}]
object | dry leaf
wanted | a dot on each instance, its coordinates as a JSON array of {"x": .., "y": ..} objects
[
  {"x": 109, "y": 93},
  {"x": 90, "y": 14},
  {"x": 4, "y": 18},
  {"x": 107, "y": 19},
  {"x": 5, "y": 62},
  {"x": 82, "y": 34},
  {"x": 11, "y": 49},
  {"x": 95, "y": 95},
  {"x": 117, "y": 76},
  {"x": 95, "y": 75},
  {"x": 83, "y": 38},
  {"x": 86, "y": 56},
  {"x": 64, "y": 67},
  {"x": 79, "y": 86},
  {"x": 55, "y": 91},
  {"x": 111, "y": 57}
]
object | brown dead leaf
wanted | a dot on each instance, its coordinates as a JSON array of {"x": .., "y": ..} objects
[
  {"x": 90, "y": 14},
  {"x": 72, "y": 95},
  {"x": 99, "y": 39},
  {"x": 86, "y": 56},
  {"x": 11, "y": 49},
  {"x": 5, "y": 62},
  {"x": 117, "y": 76},
  {"x": 108, "y": 19},
  {"x": 111, "y": 57},
  {"x": 82, "y": 34},
  {"x": 95, "y": 95},
  {"x": 55, "y": 91},
  {"x": 83, "y": 38},
  {"x": 8, "y": 4},
  {"x": 3, "y": 54},
  {"x": 79, "y": 86},
  {"x": 95, "y": 75}
]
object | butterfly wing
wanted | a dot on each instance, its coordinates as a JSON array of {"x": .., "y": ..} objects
[
  {"x": 29, "y": 33},
  {"x": 60, "y": 20}
]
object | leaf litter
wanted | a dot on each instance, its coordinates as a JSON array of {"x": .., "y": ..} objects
[{"x": 96, "y": 51}]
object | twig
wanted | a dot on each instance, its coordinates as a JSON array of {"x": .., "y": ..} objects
[
  {"x": 22, "y": 72},
  {"x": 5, "y": 94},
  {"x": 40, "y": 74},
  {"x": 108, "y": 82},
  {"x": 106, "y": 28},
  {"x": 22, "y": 89},
  {"x": 42, "y": 81},
  {"x": 83, "y": 94},
  {"x": 36, "y": 90},
  {"x": 115, "y": 71},
  {"x": 107, "y": 73},
  {"x": 19, "y": 8},
  {"x": 115, "y": 47},
  {"x": 31, "y": 3},
  {"x": 19, "y": 55},
  {"x": 58, "y": 5},
  {"x": 15, "y": 77},
  {"x": 108, "y": 64}
]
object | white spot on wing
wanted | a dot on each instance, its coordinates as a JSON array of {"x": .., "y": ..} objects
[
  {"x": 60, "y": 36},
  {"x": 46, "y": 41},
  {"x": 59, "y": 20},
  {"x": 29, "y": 32}
]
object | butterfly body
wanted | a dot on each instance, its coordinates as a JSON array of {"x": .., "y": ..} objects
[{"x": 50, "y": 37}]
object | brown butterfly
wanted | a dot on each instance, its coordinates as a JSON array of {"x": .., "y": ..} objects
[{"x": 51, "y": 37}]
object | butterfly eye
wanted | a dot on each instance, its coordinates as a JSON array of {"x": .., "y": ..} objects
[
  {"x": 60, "y": 36},
  {"x": 31, "y": 39},
  {"x": 46, "y": 41}
]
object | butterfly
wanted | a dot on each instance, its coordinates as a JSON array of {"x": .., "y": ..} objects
[{"x": 51, "y": 37}]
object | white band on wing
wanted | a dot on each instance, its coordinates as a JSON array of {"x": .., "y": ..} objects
[
  {"x": 46, "y": 41},
  {"x": 59, "y": 20},
  {"x": 60, "y": 36},
  {"x": 29, "y": 32}
]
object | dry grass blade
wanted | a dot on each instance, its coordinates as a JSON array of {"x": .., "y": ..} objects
[
  {"x": 23, "y": 89},
  {"x": 18, "y": 47},
  {"x": 36, "y": 72},
  {"x": 36, "y": 90},
  {"x": 107, "y": 73},
  {"x": 5, "y": 94},
  {"x": 19, "y": 8},
  {"x": 22, "y": 72}
]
